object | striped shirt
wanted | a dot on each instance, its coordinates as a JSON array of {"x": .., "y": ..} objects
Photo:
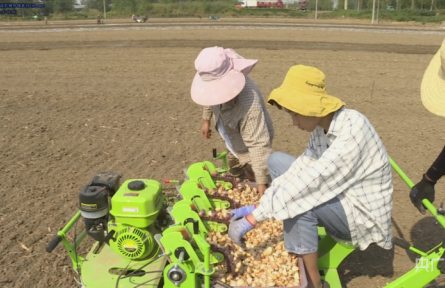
[
  {"x": 249, "y": 128},
  {"x": 349, "y": 162}
]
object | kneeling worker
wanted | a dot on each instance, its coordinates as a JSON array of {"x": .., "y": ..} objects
[{"x": 342, "y": 181}]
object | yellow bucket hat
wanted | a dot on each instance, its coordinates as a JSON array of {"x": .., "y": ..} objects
[
  {"x": 304, "y": 92},
  {"x": 432, "y": 89}
]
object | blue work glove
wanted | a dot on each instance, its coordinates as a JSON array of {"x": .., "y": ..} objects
[
  {"x": 241, "y": 212},
  {"x": 423, "y": 189},
  {"x": 238, "y": 228}
]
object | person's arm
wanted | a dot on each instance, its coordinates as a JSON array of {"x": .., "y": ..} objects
[
  {"x": 256, "y": 137},
  {"x": 424, "y": 189},
  {"x": 205, "y": 128},
  {"x": 300, "y": 190},
  {"x": 437, "y": 170},
  {"x": 206, "y": 113}
]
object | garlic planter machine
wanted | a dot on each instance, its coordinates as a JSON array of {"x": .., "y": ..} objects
[
  {"x": 429, "y": 265},
  {"x": 140, "y": 240},
  {"x": 143, "y": 241}
]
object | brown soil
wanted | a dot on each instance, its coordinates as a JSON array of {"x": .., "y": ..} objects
[{"x": 75, "y": 103}]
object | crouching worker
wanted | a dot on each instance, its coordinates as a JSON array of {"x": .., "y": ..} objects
[
  {"x": 342, "y": 181},
  {"x": 222, "y": 87}
]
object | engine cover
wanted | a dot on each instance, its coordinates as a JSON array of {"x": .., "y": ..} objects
[
  {"x": 135, "y": 209},
  {"x": 137, "y": 203},
  {"x": 131, "y": 242}
]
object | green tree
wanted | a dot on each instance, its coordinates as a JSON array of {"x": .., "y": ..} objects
[
  {"x": 63, "y": 6},
  {"x": 97, "y": 4},
  {"x": 139, "y": 7}
]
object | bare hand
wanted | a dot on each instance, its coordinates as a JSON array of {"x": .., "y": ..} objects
[
  {"x": 261, "y": 189},
  {"x": 205, "y": 129}
]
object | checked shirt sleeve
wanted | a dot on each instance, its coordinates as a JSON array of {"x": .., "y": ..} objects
[
  {"x": 300, "y": 190},
  {"x": 207, "y": 113},
  {"x": 254, "y": 132}
]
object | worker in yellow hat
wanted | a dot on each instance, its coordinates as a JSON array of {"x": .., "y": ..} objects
[
  {"x": 432, "y": 91},
  {"x": 341, "y": 182}
]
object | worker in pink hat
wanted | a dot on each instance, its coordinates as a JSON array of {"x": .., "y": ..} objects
[{"x": 222, "y": 86}]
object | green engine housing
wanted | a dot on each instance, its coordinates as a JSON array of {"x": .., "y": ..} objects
[{"x": 134, "y": 208}]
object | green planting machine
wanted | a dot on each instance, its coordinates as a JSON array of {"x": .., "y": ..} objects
[
  {"x": 331, "y": 253},
  {"x": 142, "y": 240}
]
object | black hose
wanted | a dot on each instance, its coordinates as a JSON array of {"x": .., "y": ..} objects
[
  {"x": 139, "y": 269},
  {"x": 142, "y": 274},
  {"x": 148, "y": 281},
  {"x": 120, "y": 274}
]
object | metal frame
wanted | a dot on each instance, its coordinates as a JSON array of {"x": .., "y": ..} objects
[{"x": 331, "y": 252}]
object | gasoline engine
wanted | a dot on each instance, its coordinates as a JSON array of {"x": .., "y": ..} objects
[{"x": 126, "y": 217}]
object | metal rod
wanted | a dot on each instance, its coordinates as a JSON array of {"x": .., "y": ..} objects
[
  {"x": 81, "y": 237},
  {"x": 76, "y": 259},
  {"x": 433, "y": 210},
  {"x": 70, "y": 224},
  {"x": 207, "y": 265},
  {"x": 316, "y": 9},
  {"x": 415, "y": 250},
  {"x": 425, "y": 202},
  {"x": 401, "y": 174}
]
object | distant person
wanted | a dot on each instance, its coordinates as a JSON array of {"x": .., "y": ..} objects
[
  {"x": 222, "y": 87},
  {"x": 432, "y": 93},
  {"x": 46, "y": 20},
  {"x": 98, "y": 20}
]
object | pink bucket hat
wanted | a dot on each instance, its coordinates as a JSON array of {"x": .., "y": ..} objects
[{"x": 220, "y": 76}]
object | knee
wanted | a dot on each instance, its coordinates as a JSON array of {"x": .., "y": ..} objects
[{"x": 274, "y": 160}]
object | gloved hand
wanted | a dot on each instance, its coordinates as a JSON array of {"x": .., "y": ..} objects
[
  {"x": 423, "y": 189},
  {"x": 241, "y": 212},
  {"x": 238, "y": 228}
]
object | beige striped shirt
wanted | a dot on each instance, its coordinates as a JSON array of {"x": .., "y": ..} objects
[{"x": 248, "y": 126}]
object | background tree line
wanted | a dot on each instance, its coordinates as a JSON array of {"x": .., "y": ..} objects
[
  {"x": 187, "y": 8},
  {"x": 397, "y": 4}
]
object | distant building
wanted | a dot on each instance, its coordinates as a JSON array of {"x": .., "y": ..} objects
[{"x": 78, "y": 7}]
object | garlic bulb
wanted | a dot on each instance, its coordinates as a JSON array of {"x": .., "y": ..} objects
[{"x": 264, "y": 262}]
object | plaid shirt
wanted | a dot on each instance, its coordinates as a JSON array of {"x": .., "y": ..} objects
[
  {"x": 249, "y": 128},
  {"x": 348, "y": 162}
]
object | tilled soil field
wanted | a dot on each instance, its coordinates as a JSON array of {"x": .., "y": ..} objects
[{"x": 75, "y": 102}]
